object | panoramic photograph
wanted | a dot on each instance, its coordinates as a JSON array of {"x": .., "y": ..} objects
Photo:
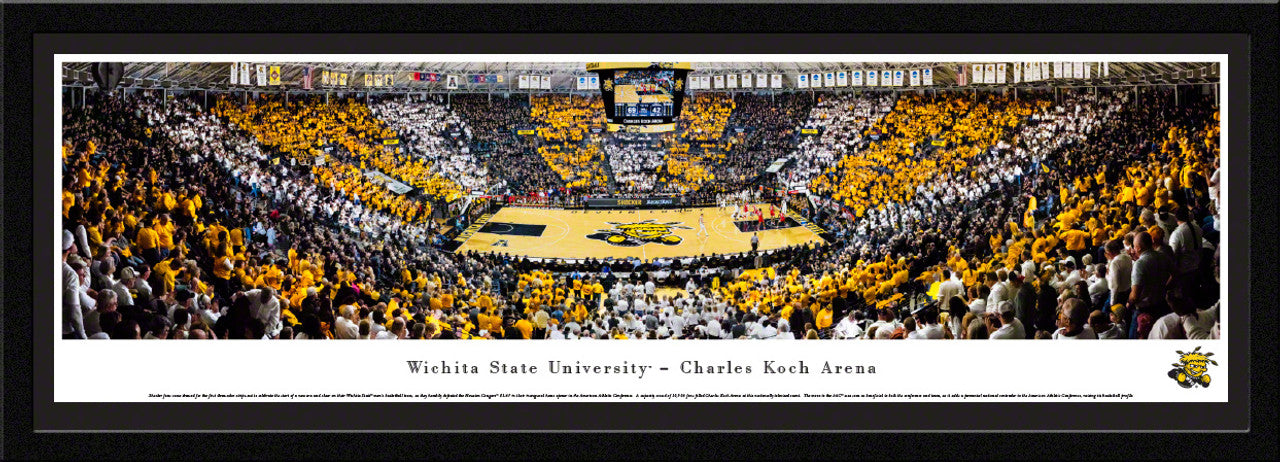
[{"x": 401, "y": 200}]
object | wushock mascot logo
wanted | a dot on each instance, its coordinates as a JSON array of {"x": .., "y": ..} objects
[
  {"x": 1190, "y": 369},
  {"x": 638, "y": 234}
]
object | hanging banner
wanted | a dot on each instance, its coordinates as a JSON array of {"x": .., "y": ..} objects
[
  {"x": 342, "y": 79},
  {"x": 523, "y": 82},
  {"x": 762, "y": 80},
  {"x": 927, "y": 77},
  {"x": 873, "y": 78},
  {"x": 745, "y": 81},
  {"x": 582, "y": 82},
  {"x": 389, "y": 80},
  {"x": 244, "y": 73},
  {"x": 546, "y": 82},
  {"x": 368, "y": 80},
  {"x": 593, "y": 82},
  {"x": 815, "y": 80},
  {"x": 977, "y": 75},
  {"x": 731, "y": 81},
  {"x": 262, "y": 75},
  {"x": 897, "y": 78},
  {"x": 915, "y": 77},
  {"x": 235, "y": 73},
  {"x": 1078, "y": 70},
  {"x": 886, "y": 78},
  {"x": 829, "y": 79},
  {"x": 842, "y": 79},
  {"x": 1087, "y": 68},
  {"x": 857, "y": 78},
  {"x": 377, "y": 80},
  {"x": 274, "y": 76},
  {"x": 1017, "y": 72},
  {"x": 451, "y": 82},
  {"x": 802, "y": 81},
  {"x": 324, "y": 77},
  {"x": 1000, "y": 73},
  {"x": 1106, "y": 72},
  {"x": 775, "y": 81},
  {"x": 719, "y": 81},
  {"x": 306, "y": 78},
  {"x": 1057, "y": 70}
]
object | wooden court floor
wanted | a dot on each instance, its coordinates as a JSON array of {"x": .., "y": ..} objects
[{"x": 645, "y": 234}]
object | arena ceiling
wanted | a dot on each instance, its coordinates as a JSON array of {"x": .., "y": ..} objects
[{"x": 215, "y": 75}]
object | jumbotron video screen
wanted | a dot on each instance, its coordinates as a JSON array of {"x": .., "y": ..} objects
[{"x": 641, "y": 97}]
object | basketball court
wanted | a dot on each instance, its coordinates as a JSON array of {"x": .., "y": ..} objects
[{"x": 644, "y": 234}]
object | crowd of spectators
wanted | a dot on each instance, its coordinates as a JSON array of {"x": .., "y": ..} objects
[{"x": 1079, "y": 215}]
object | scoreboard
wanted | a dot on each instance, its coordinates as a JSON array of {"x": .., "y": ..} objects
[{"x": 642, "y": 97}]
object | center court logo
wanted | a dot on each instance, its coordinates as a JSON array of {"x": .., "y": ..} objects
[{"x": 638, "y": 234}]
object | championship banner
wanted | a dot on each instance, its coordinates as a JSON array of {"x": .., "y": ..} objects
[
  {"x": 927, "y": 76},
  {"x": 815, "y": 80},
  {"x": 990, "y": 76},
  {"x": 762, "y": 81},
  {"x": 244, "y": 73},
  {"x": 235, "y": 71},
  {"x": 1106, "y": 71},
  {"x": 594, "y": 82},
  {"x": 1017, "y": 72},
  {"x": 977, "y": 75},
  {"x": 324, "y": 77},
  {"x": 719, "y": 81},
  {"x": 1087, "y": 68},
  {"x": 451, "y": 82},
  {"x": 842, "y": 79},
  {"x": 342, "y": 79},
  {"x": 1035, "y": 71},
  {"x": 802, "y": 81},
  {"x": 377, "y": 80},
  {"x": 1000, "y": 73},
  {"x": 582, "y": 82},
  {"x": 1057, "y": 70},
  {"x": 1078, "y": 72},
  {"x": 546, "y": 82},
  {"x": 1046, "y": 71},
  {"x": 915, "y": 77},
  {"x": 274, "y": 77},
  {"x": 745, "y": 81},
  {"x": 885, "y": 78},
  {"x": 523, "y": 82},
  {"x": 775, "y": 81},
  {"x": 368, "y": 80},
  {"x": 731, "y": 81},
  {"x": 873, "y": 78},
  {"x": 829, "y": 79},
  {"x": 897, "y": 78},
  {"x": 262, "y": 75},
  {"x": 857, "y": 78}
]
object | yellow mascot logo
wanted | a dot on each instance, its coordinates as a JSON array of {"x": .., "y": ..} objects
[
  {"x": 1190, "y": 369},
  {"x": 638, "y": 234}
]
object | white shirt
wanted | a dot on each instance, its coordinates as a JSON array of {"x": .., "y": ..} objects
[
  {"x": 1168, "y": 326},
  {"x": 1086, "y": 334},
  {"x": 1119, "y": 272},
  {"x": 1115, "y": 332},
  {"x": 848, "y": 329},
  {"x": 949, "y": 288},
  {"x": 926, "y": 332},
  {"x": 345, "y": 329},
  {"x": 1010, "y": 331},
  {"x": 978, "y": 307}
]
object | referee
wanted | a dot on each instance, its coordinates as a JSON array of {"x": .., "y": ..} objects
[{"x": 755, "y": 241}]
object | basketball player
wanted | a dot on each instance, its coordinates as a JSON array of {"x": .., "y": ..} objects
[{"x": 702, "y": 225}]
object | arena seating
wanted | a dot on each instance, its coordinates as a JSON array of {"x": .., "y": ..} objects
[{"x": 1069, "y": 214}]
